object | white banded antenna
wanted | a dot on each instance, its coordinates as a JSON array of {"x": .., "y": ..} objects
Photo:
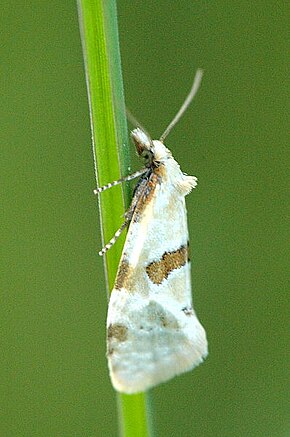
[{"x": 186, "y": 103}]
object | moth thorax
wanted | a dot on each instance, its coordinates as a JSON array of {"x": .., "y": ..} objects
[{"x": 160, "y": 152}]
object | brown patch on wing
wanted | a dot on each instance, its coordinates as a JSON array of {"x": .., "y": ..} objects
[
  {"x": 127, "y": 278},
  {"x": 148, "y": 191},
  {"x": 159, "y": 270},
  {"x": 118, "y": 332},
  {"x": 122, "y": 275}
]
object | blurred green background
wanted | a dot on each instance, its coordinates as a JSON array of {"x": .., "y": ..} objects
[{"x": 54, "y": 379}]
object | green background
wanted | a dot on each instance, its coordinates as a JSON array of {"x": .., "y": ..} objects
[{"x": 54, "y": 379}]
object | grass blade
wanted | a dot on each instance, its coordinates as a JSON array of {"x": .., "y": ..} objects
[{"x": 99, "y": 32}]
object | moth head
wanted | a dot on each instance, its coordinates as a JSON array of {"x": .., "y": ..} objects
[
  {"x": 144, "y": 145},
  {"x": 153, "y": 153}
]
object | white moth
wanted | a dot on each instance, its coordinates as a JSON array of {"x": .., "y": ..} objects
[{"x": 153, "y": 332}]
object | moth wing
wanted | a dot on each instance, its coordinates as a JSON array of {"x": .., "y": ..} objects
[{"x": 153, "y": 333}]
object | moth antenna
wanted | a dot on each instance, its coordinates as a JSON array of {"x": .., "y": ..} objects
[
  {"x": 186, "y": 103},
  {"x": 133, "y": 120},
  {"x": 113, "y": 239}
]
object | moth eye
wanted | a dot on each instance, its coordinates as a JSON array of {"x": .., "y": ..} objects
[{"x": 146, "y": 155}]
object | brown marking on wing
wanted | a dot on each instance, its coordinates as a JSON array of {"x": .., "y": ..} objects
[
  {"x": 118, "y": 332},
  {"x": 147, "y": 193},
  {"x": 159, "y": 270},
  {"x": 124, "y": 271},
  {"x": 126, "y": 278},
  {"x": 115, "y": 333}
]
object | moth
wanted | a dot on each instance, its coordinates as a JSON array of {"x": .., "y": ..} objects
[{"x": 153, "y": 332}]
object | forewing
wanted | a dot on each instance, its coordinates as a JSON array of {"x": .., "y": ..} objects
[{"x": 153, "y": 332}]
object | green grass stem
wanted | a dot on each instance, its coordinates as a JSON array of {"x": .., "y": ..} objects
[{"x": 99, "y": 33}]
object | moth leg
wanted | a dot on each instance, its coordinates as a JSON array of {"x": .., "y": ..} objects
[
  {"x": 139, "y": 190},
  {"x": 137, "y": 195},
  {"x": 119, "y": 181}
]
